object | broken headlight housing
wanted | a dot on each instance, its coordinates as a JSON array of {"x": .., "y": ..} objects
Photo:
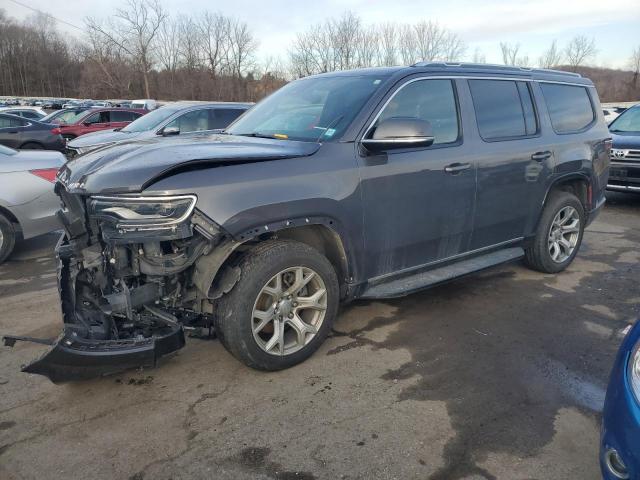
[{"x": 125, "y": 214}]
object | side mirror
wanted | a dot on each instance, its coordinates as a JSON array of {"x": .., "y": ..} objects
[
  {"x": 399, "y": 132},
  {"x": 168, "y": 131}
]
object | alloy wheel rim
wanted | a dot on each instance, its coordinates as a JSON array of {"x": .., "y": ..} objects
[
  {"x": 564, "y": 234},
  {"x": 289, "y": 311},
  {"x": 1, "y": 239}
]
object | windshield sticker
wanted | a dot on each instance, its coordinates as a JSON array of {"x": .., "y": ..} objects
[
  {"x": 376, "y": 82},
  {"x": 330, "y": 132}
]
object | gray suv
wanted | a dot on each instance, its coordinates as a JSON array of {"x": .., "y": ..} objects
[
  {"x": 177, "y": 118},
  {"x": 361, "y": 184}
]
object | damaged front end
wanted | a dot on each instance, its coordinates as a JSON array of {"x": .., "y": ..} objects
[{"x": 134, "y": 272}]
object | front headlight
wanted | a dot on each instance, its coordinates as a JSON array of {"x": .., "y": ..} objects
[
  {"x": 634, "y": 371},
  {"x": 142, "y": 213}
]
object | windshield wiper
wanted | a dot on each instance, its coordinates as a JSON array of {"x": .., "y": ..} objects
[{"x": 260, "y": 135}]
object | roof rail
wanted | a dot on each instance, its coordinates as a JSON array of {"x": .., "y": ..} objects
[{"x": 488, "y": 66}]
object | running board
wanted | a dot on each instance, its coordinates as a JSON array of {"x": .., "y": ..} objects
[{"x": 424, "y": 279}]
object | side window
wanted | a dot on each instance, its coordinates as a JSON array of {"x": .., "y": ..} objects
[
  {"x": 430, "y": 100},
  {"x": 6, "y": 122},
  {"x": 195, "y": 121},
  {"x": 30, "y": 115},
  {"x": 95, "y": 118},
  {"x": 222, "y": 117},
  {"x": 569, "y": 106},
  {"x": 120, "y": 116},
  {"x": 105, "y": 117},
  {"x": 504, "y": 109}
]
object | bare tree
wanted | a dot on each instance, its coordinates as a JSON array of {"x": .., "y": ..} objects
[
  {"x": 169, "y": 47},
  {"x": 579, "y": 50},
  {"x": 634, "y": 62},
  {"x": 133, "y": 30},
  {"x": 215, "y": 29},
  {"x": 552, "y": 57},
  {"x": 478, "y": 56},
  {"x": 510, "y": 55},
  {"x": 388, "y": 39}
]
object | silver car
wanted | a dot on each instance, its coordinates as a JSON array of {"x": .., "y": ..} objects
[
  {"x": 28, "y": 204},
  {"x": 173, "y": 119}
]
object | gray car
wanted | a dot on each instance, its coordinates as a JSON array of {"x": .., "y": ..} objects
[
  {"x": 371, "y": 183},
  {"x": 174, "y": 119},
  {"x": 28, "y": 204}
]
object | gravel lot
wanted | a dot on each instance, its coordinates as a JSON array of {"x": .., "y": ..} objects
[{"x": 499, "y": 375}]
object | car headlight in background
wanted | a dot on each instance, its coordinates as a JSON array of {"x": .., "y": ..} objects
[
  {"x": 634, "y": 371},
  {"x": 142, "y": 213}
]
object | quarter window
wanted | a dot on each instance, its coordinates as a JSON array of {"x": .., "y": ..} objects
[
  {"x": 430, "y": 100},
  {"x": 7, "y": 122},
  {"x": 504, "y": 109},
  {"x": 120, "y": 116},
  {"x": 222, "y": 117},
  {"x": 569, "y": 106}
]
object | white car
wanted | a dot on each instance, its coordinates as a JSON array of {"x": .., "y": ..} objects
[
  {"x": 28, "y": 204},
  {"x": 611, "y": 113},
  {"x": 146, "y": 104}
]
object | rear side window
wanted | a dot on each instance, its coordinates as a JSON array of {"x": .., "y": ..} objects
[
  {"x": 222, "y": 117},
  {"x": 430, "y": 100},
  {"x": 504, "y": 109},
  {"x": 7, "y": 122},
  {"x": 569, "y": 106},
  {"x": 120, "y": 116}
]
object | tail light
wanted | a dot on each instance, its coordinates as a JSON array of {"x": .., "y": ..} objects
[
  {"x": 56, "y": 131},
  {"x": 608, "y": 143},
  {"x": 48, "y": 174}
]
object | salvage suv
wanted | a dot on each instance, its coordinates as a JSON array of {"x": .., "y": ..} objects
[{"x": 370, "y": 183}]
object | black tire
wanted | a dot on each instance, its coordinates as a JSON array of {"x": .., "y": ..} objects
[
  {"x": 8, "y": 238},
  {"x": 32, "y": 146},
  {"x": 537, "y": 256},
  {"x": 234, "y": 310}
]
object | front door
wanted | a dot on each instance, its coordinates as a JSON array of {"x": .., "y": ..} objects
[{"x": 418, "y": 202}]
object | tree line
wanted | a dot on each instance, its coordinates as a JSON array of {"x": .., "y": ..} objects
[{"x": 142, "y": 51}]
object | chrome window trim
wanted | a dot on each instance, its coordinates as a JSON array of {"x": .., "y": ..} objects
[{"x": 514, "y": 78}]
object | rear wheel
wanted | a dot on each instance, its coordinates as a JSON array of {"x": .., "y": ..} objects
[
  {"x": 281, "y": 309},
  {"x": 559, "y": 234},
  {"x": 7, "y": 238},
  {"x": 32, "y": 146}
]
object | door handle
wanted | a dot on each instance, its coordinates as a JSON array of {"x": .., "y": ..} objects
[
  {"x": 456, "y": 168},
  {"x": 541, "y": 156}
]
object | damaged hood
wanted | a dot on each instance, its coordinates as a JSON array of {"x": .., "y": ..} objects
[{"x": 133, "y": 166}]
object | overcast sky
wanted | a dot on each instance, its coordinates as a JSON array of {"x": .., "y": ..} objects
[{"x": 615, "y": 24}]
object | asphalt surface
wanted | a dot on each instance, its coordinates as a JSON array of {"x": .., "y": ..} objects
[{"x": 499, "y": 375}]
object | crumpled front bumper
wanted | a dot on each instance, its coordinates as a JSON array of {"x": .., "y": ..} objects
[{"x": 73, "y": 357}]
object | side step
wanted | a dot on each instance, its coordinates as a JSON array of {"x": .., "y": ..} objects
[{"x": 400, "y": 287}]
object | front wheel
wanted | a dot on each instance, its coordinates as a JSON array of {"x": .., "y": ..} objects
[
  {"x": 7, "y": 238},
  {"x": 559, "y": 234},
  {"x": 282, "y": 308}
]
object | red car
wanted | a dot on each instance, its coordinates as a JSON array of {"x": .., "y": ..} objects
[{"x": 97, "y": 119}]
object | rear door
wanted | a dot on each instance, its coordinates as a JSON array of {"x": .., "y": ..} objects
[
  {"x": 120, "y": 118},
  {"x": 418, "y": 202},
  {"x": 514, "y": 162},
  {"x": 97, "y": 121},
  {"x": 11, "y": 130}
]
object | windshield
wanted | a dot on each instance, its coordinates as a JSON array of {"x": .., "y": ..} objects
[
  {"x": 311, "y": 109},
  {"x": 63, "y": 116},
  {"x": 150, "y": 121},
  {"x": 628, "y": 121}
]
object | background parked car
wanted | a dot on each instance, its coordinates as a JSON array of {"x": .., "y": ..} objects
[
  {"x": 611, "y": 113},
  {"x": 30, "y": 113},
  {"x": 96, "y": 119},
  {"x": 147, "y": 104},
  {"x": 18, "y": 132},
  {"x": 64, "y": 115},
  {"x": 624, "y": 171},
  {"x": 28, "y": 204},
  {"x": 619, "y": 454},
  {"x": 174, "y": 119}
]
